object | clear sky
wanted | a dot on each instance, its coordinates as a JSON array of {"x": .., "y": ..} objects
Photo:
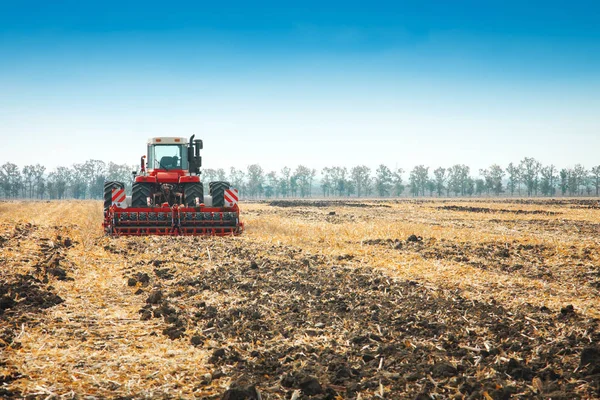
[{"x": 341, "y": 83}]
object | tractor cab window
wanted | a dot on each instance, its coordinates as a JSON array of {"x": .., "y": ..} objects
[{"x": 167, "y": 156}]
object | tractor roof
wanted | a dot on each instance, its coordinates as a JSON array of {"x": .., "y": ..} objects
[{"x": 167, "y": 140}]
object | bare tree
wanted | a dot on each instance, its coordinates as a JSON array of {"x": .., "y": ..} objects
[
  {"x": 95, "y": 172},
  {"x": 493, "y": 179},
  {"x": 10, "y": 179},
  {"x": 418, "y": 180},
  {"x": 595, "y": 173},
  {"x": 256, "y": 180},
  {"x": 284, "y": 183},
  {"x": 564, "y": 181},
  {"x": 209, "y": 175},
  {"x": 529, "y": 171},
  {"x": 221, "y": 175},
  {"x": 514, "y": 177},
  {"x": 548, "y": 180},
  {"x": 480, "y": 186},
  {"x": 440, "y": 180},
  {"x": 305, "y": 176},
  {"x": 383, "y": 180},
  {"x": 397, "y": 182},
  {"x": 327, "y": 181},
  {"x": 58, "y": 182},
  {"x": 79, "y": 181},
  {"x": 272, "y": 187},
  {"x": 39, "y": 181},
  {"x": 339, "y": 179},
  {"x": 580, "y": 175},
  {"x": 28, "y": 180},
  {"x": 360, "y": 176},
  {"x": 459, "y": 180}
]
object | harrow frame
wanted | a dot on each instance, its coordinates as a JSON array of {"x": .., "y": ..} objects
[{"x": 173, "y": 220}]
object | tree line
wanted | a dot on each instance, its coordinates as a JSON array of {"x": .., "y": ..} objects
[
  {"x": 525, "y": 178},
  {"x": 80, "y": 181}
]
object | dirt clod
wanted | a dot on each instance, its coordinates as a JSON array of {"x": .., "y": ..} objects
[
  {"x": 517, "y": 370},
  {"x": 241, "y": 393},
  {"x": 164, "y": 273},
  {"x": 443, "y": 370},
  {"x": 310, "y": 386},
  {"x": 155, "y": 297},
  {"x": 173, "y": 332},
  {"x": 6, "y": 302},
  {"x": 590, "y": 358},
  {"x": 146, "y": 315},
  {"x": 568, "y": 310},
  {"x": 196, "y": 340},
  {"x": 217, "y": 355},
  {"x": 58, "y": 273},
  {"x": 414, "y": 238}
]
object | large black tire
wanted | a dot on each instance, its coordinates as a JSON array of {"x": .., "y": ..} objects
[
  {"x": 108, "y": 187},
  {"x": 139, "y": 194},
  {"x": 210, "y": 185},
  {"x": 217, "y": 191},
  {"x": 191, "y": 191}
]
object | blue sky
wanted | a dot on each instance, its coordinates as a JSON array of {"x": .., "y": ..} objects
[{"x": 346, "y": 83}]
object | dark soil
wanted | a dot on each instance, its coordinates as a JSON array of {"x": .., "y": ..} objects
[
  {"x": 329, "y": 327},
  {"x": 496, "y": 210},
  {"x": 27, "y": 291},
  {"x": 32, "y": 295},
  {"x": 325, "y": 203}
]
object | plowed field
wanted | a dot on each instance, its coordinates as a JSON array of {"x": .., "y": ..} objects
[{"x": 317, "y": 299}]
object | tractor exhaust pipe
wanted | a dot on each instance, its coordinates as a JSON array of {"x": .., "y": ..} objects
[
  {"x": 198, "y": 146},
  {"x": 194, "y": 159}
]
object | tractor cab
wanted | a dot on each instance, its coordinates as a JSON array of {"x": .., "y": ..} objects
[
  {"x": 167, "y": 154},
  {"x": 174, "y": 154}
]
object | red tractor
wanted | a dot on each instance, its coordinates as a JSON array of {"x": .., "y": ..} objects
[{"x": 168, "y": 197}]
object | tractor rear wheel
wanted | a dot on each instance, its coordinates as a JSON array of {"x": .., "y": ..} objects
[
  {"x": 191, "y": 191},
  {"x": 217, "y": 191},
  {"x": 108, "y": 187},
  {"x": 140, "y": 193}
]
